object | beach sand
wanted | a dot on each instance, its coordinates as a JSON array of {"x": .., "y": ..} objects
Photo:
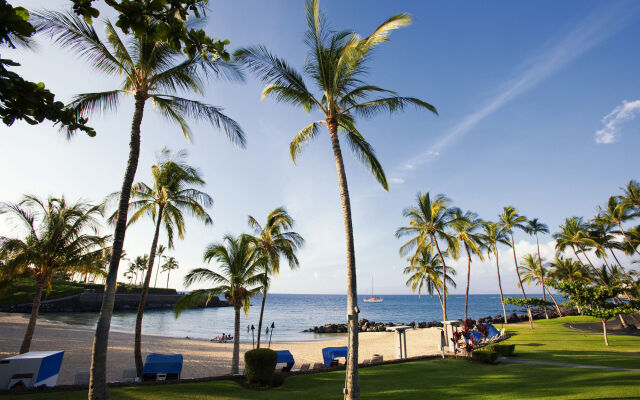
[{"x": 201, "y": 358}]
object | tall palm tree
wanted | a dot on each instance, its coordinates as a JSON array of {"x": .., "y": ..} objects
[
  {"x": 173, "y": 191},
  {"x": 60, "y": 236},
  {"x": 568, "y": 270},
  {"x": 168, "y": 266},
  {"x": 631, "y": 197},
  {"x": 336, "y": 64},
  {"x": 466, "y": 228},
  {"x": 138, "y": 265},
  {"x": 495, "y": 234},
  {"x": 161, "y": 249},
  {"x": 151, "y": 70},
  {"x": 425, "y": 270},
  {"x": 511, "y": 219},
  {"x": 274, "y": 240},
  {"x": 429, "y": 222},
  {"x": 238, "y": 280},
  {"x": 618, "y": 211},
  {"x": 574, "y": 234},
  {"x": 534, "y": 272}
]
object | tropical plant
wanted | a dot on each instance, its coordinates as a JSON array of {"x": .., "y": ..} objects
[
  {"x": 429, "y": 223},
  {"x": 238, "y": 280},
  {"x": 336, "y": 64},
  {"x": 152, "y": 69},
  {"x": 160, "y": 253},
  {"x": 59, "y": 237},
  {"x": 534, "y": 272},
  {"x": 138, "y": 265},
  {"x": 425, "y": 270},
  {"x": 573, "y": 233},
  {"x": 511, "y": 219},
  {"x": 495, "y": 234},
  {"x": 631, "y": 197},
  {"x": 618, "y": 211},
  {"x": 169, "y": 265},
  {"x": 173, "y": 191},
  {"x": 466, "y": 228},
  {"x": 274, "y": 240}
]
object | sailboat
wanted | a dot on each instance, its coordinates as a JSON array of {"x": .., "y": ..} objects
[{"x": 373, "y": 299}]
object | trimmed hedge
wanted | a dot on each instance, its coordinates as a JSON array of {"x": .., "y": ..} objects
[
  {"x": 502, "y": 349},
  {"x": 487, "y": 357},
  {"x": 259, "y": 365}
]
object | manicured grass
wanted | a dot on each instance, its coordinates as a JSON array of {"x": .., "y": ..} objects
[
  {"x": 436, "y": 379},
  {"x": 433, "y": 379},
  {"x": 551, "y": 341}
]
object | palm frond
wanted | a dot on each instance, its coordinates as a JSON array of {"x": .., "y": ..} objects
[{"x": 303, "y": 138}]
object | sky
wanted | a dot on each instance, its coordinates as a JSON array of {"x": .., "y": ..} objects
[{"x": 537, "y": 109}]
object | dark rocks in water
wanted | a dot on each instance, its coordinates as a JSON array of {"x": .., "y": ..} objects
[{"x": 422, "y": 324}]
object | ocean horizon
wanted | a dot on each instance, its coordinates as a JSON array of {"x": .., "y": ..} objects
[{"x": 292, "y": 314}]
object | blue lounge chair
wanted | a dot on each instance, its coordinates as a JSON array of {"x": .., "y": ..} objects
[
  {"x": 331, "y": 353},
  {"x": 162, "y": 366},
  {"x": 493, "y": 332},
  {"x": 285, "y": 357},
  {"x": 32, "y": 369}
]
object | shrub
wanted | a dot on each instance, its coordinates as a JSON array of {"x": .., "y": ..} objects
[
  {"x": 502, "y": 349},
  {"x": 259, "y": 365},
  {"x": 488, "y": 357}
]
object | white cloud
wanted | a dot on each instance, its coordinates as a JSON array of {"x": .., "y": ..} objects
[
  {"x": 612, "y": 121},
  {"x": 397, "y": 180}
]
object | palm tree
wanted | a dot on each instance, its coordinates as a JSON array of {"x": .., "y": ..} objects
[
  {"x": 60, "y": 237},
  {"x": 618, "y": 211},
  {"x": 239, "y": 280},
  {"x": 573, "y": 233},
  {"x": 138, "y": 265},
  {"x": 169, "y": 266},
  {"x": 161, "y": 249},
  {"x": 568, "y": 270},
  {"x": 426, "y": 270},
  {"x": 631, "y": 197},
  {"x": 511, "y": 219},
  {"x": 429, "y": 222},
  {"x": 151, "y": 70},
  {"x": 172, "y": 192},
  {"x": 534, "y": 272},
  {"x": 465, "y": 226},
  {"x": 336, "y": 64},
  {"x": 493, "y": 235},
  {"x": 273, "y": 241}
]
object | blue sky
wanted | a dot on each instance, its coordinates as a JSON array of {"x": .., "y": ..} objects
[{"x": 522, "y": 89}]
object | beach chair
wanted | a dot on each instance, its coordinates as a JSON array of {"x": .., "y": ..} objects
[
  {"x": 317, "y": 366},
  {"x": 304, "y": 367},
  {"x": 35, "y": 368},
  {"x": 329, "y": 355},
  {"x": 81, "y": 379},
  {"x": 159, "y": 367},
  {"x": 285, "y": 357},
  {"x": 366, "y": 362},
  {"x": 493, "y": 332}
]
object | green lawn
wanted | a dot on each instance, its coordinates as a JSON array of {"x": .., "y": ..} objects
[
  {"x": 436, "y": 379},
  {"x": 551, "y": 341}
]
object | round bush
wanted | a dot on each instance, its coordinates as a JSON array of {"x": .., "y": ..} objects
[
  {"x": 259, "y": 365},
  {"x": 488, "y": 357},
  {"x": 502, "y": 349}
]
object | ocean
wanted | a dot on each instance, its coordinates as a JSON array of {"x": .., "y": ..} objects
[{"x": 293, "y": 313}]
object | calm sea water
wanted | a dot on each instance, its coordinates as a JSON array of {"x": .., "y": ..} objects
[{"x": 291, "y": 314}]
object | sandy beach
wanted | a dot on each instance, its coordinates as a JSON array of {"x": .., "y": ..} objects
[{"x": 201, "y": 358}]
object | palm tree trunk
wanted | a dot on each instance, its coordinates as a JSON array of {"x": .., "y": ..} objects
[
  {"x": 137, "y": 344},
  {"x": 264, "y": 299},
  {"x": 555, "y": 302},
  {"x": 168, "y": 275},
  {"x": 352, "y": 389},
  {"x": 31, "y": 326},
  {"x": 444, "y": 277},
  {"x": 466, "y": 297},
  {"x": 604, "y": 331},
  {"x": 98, "y": 372},
  {"x": 515, "y": 260},
  {"x": 155, "y": 282},
  {"x": 235, "y": 359},
  {"x": 504, "y": 310},
  {"x": 544, "y": 297}
]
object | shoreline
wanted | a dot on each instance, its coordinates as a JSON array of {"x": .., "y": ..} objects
[{"x": 202, "y": 358}]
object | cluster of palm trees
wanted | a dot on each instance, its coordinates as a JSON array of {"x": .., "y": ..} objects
[
  {"x": 439, "y": 232},
  {"x": 139, "y": 265}
]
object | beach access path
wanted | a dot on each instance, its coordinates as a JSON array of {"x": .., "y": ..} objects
[{"x": 201, "y": 358}]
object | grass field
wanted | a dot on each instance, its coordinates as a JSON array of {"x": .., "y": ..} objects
[{"x": 437, "y": 379}]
